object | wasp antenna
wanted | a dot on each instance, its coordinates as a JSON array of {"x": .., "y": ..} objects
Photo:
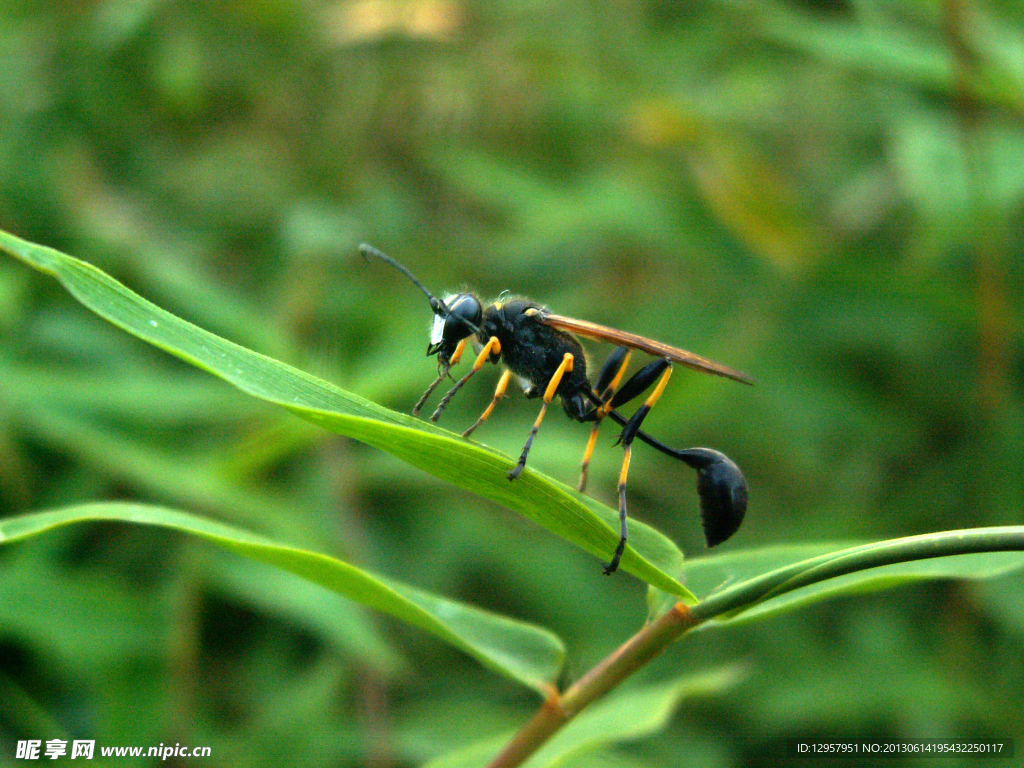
[{"x": 367, "y": 250}]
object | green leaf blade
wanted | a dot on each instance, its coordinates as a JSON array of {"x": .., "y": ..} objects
[
  {"x": 523, "y": 652},
  {"x": 772, "y": 580}
]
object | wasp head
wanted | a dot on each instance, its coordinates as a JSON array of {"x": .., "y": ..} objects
[{"x": 457, "y": 317}]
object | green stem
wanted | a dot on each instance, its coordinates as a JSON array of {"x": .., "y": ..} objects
[{"x": 749, "y": 593}]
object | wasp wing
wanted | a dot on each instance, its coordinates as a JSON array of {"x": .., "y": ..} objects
[{"x": 650, "y": 346}]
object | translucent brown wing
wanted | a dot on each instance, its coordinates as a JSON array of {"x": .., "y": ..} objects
[{"x": 650, "y": 346}]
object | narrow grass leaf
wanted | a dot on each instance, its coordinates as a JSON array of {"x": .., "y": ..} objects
[
  {"x": 528, "y": 654},
  {"x": 759, "y": 583}
]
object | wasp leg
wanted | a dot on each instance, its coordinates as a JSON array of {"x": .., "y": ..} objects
[
  {"x": 609, "y": 399},
  {"x": 628, "y": 433},
  {"x": 638, "y": 383},
  {"x": 564, "y": 367},
  {"x": 492, "y": 347},
  {"x": 499, "y": 392},
  {"x": 442, "y": 372},
  {"x": 585, "y": 465},
  {"x": 607, "y": 380}
]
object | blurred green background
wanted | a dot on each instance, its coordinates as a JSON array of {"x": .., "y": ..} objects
[{"x": 828, "y": 195}]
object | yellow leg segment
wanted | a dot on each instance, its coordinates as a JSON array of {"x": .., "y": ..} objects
[
  {"x": 605, "y": 396},
  {"x": 457, "y": 355},
  {"x": 587, "y": 454},
  {"x": 492, "y": 347},
  {"x": 564, "y": 367},
  {"x": 499, "y": 392},
  {"x": 610, "y": 389},
  {"x": 662, "y": 382}
]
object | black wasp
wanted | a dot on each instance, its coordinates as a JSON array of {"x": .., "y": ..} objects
[{"x": 538, "y": 347}]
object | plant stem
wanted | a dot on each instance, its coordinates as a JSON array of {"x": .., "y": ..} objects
[{"x": 557, "y": 710}]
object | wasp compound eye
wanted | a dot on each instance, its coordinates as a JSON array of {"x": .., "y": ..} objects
[
  {"x": 722, "y": 490},
  {"x": 464, "y": 315}
]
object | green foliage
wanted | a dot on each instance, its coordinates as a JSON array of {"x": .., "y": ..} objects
[
  {"x": 826, "y": 195},
  {"x": 524, "y": 653}
]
